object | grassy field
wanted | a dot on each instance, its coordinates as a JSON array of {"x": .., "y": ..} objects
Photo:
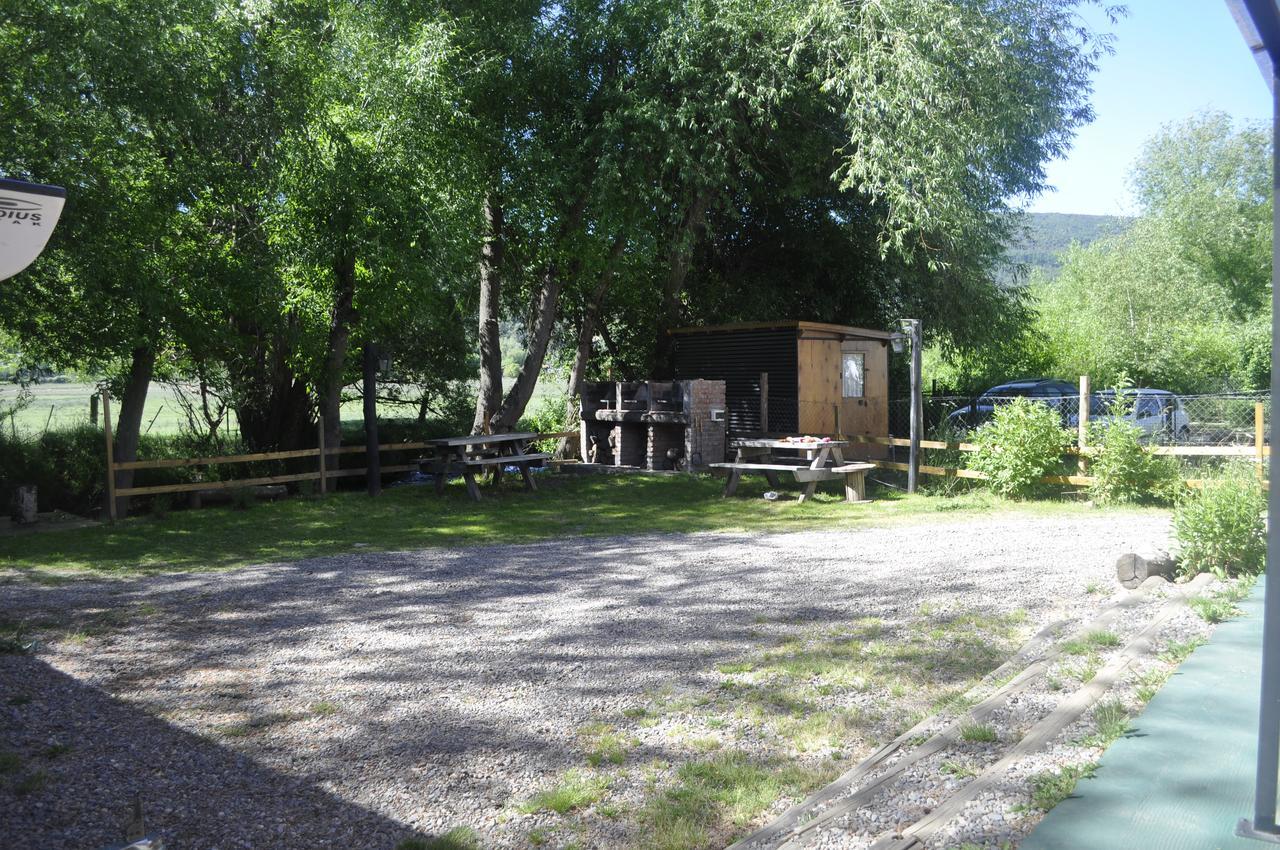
[
  {"x": 65, "y": 405},
  {"x": 415, "y": 517}
]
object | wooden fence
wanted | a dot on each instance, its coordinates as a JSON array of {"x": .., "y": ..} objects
[
  {"x": 322, "y": 473},
  {"x": 1257, "y": 452}
]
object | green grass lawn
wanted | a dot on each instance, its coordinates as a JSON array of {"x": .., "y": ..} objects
[{"x": 415, "y": 517}]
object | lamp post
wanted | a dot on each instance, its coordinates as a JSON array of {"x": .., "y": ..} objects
[{"x": 911, "y": 336}]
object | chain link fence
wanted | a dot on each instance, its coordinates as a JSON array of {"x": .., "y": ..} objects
[{"x": 1220, "y": 419}]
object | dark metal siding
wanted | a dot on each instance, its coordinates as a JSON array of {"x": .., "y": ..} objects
[{"x": 737, "y": 358}]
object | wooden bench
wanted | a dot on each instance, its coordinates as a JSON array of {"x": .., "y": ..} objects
[{"x": 855, "y": 480}]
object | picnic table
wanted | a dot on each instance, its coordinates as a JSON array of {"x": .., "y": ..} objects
[
  {"x": 814, "y": 461},
  {"x": 477, "y": 451}
]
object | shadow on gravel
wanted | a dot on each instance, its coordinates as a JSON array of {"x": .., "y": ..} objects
[{"x": 72, "y": 760}]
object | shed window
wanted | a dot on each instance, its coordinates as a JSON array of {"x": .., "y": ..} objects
[{"x": 854, "y": 362}]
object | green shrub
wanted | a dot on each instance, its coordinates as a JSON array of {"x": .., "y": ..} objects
[
  {"x": 549, "y": 416},
  {"x": 942, "y": 485},
  {"x": 1023, "y": 442},
  {"x": 1124, "y": 471},
  {"x": 1220, "y": 528}
]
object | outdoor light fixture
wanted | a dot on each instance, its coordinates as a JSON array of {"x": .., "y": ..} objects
[
  {"x": 384, "y": 364},
  {"x": 28, "y": 213},
  {"x": 899, "y": 343}
]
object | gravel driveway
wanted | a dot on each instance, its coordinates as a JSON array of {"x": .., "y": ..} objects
[{"x": 361, "y": 699}]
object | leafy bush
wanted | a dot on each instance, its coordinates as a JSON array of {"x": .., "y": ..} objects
[
  {"x": 1124, "y": 471},
  {"x": 549, "y": 416},
  {"x": 1220, "y": 528},
  {"x": 946, "y": 432},
  {"x": 1023, "y": 442}
]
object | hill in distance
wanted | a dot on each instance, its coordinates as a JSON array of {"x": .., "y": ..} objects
[{"x": 1049, "y": 234}]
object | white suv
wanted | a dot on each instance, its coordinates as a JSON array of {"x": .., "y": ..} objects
[{"x": 1159, "y": 413}]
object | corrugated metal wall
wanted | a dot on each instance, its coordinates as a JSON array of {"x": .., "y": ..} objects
[{"x": 738, "y": 358}]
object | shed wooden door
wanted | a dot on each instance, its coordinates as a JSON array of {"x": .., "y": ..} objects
[{"x": 866, "y": 414}]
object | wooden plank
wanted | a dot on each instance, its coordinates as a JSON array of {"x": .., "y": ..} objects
[
  {"x": 1025, "y": 667},
  {"x": 753, "y": 443},
  {"x": 111, "y": 455},
  {"x": 170, "y": 463},
  {"x": 216, "y": 485},
  {"x": 505, "y": 460},
  {"x": 472, "y": 439},
  {"x": 351, "y": 473},
  {"x": 389, "y": 447},
  {"x": 764, "y": 402},
  {"x": 1048, "y": 728}
]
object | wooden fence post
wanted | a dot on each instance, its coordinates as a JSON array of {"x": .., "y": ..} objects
[
  {"x": 1082, "y": 418},
  {"x": 1259, "y": 439},
  {"x": 111, "y": 463},
  {"x": 320, "y": 452},
  {"x": 764, "y": 404}
]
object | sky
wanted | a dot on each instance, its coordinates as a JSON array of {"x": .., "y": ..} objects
[{"x": 1173, "y": 58}]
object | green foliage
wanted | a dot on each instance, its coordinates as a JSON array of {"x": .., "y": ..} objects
[
  {"x": 1220, "y": 527},
  {"x": 574, "y": 790},
  {"x": 458, "y": 838},
  {"x": 1051, "y": 788},
  {"x": 1124, "y": 471},
  {"x": 1023, "y": 442},
  {"x": 1221, "y": 606},
  {"x": 979, "y": 733},
  {"x": 1181, "y": 298}
]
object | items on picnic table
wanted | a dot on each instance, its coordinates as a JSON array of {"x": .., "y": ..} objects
[
  {"x": 805, "y": 440},
  {"x": 477, "y": 451}
]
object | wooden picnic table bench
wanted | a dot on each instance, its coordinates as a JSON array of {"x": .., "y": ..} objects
[
  {"x": 476, "y": 451},
  {"x": 758, "y": 455}
]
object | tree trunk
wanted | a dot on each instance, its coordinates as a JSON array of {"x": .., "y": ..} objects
[
  {"x": 1133, "y": 568},
  {"x": 544, "y": 320},
  {"x": 128, "y": 424},
  {"x": 545, "y": 313},
  {"x": 680, "y": 256},
  {"x": 586, "y": 335},
  {"x": 489, "y": 397},
  {"x": 335, "y": 361}
]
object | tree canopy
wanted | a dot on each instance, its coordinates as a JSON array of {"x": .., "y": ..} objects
[{"x": 257, "y": 190}]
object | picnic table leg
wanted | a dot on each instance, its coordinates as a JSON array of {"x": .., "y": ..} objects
[
  {"x": 855, "y": 486},
  {"x": 473, "y": 489},
  {"x": 731, "y": 486},
  {"x": 441, "y": 469},
  {"x": 818, "y": 460},
  {"x": 528, "y": 478}
]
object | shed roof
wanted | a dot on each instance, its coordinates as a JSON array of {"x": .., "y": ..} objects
[{"x": 824, "y": 327}]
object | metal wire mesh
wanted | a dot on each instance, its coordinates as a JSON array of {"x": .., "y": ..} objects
[{"x": 1221, "y": 419}]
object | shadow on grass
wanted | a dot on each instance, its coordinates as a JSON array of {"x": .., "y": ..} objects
[{"x": 415, "y": 518}]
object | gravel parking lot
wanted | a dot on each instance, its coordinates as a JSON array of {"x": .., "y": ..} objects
[{"x": 364, "y": 699}]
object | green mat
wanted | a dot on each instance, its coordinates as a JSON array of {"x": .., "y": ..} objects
[{"x": 1183, "y": 775}]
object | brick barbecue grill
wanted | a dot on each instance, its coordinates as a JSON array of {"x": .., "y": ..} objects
[{"x": 656, "y": 425}]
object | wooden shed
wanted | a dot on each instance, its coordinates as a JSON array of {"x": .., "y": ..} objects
[{"x": 792, "y": 377}]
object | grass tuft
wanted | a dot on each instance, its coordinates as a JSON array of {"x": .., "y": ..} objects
[
  {"x": 979, "y": 733},
  {"x": 575, "y": 790},
  {"x": 1051, "y": 788},
  {"x": 458, "y": 838}
]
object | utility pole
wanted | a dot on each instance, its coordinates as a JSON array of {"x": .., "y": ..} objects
[{"x": 912, "y": 327}]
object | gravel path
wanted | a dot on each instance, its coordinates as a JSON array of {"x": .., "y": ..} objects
[{"x": 366, "y": 698}]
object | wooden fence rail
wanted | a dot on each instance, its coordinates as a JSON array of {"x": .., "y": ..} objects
[
  {"x": 323, "y": 472},
  {"x": 1258, "y": 452}
]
